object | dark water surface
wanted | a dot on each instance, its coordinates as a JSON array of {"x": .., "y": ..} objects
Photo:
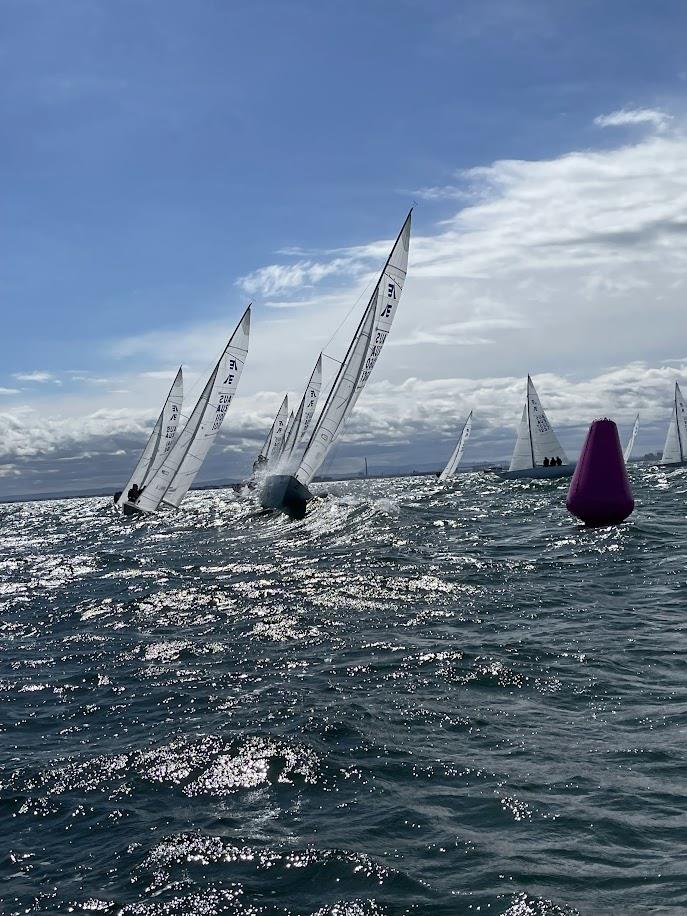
[{"x": 421, "y": 699}]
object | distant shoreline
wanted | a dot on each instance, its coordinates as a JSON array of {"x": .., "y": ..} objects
[{"x": 226, "y": 484}]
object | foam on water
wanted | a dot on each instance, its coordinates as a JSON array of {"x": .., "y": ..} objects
[{"x": 418, "y": 699}]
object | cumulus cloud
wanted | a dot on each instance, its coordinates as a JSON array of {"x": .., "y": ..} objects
[
  {"x": 626, "y": 117},
  {"x": 10, "y": 390}
]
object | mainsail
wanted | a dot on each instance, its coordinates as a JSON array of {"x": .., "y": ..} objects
[
  {"x": 536, "y": 438},
  {"x": 178, "y": 471},
  {"x": 305, "y": 412},
  {"x": 675, "y": 449},
  {"x": 360, "y": 359},
  {"x": 287, "y": 432},
  {"x": 272, "y": 445},
  {"x": 160, "y": 441},
  {"x": 631, "y": 442},
  {"x": 454, "y": 460}
]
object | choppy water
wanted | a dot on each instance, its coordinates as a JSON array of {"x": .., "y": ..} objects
[{"x": 421, "y": 699}]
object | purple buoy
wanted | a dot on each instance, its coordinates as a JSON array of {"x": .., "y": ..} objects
[{"x": 600, "y": 492}]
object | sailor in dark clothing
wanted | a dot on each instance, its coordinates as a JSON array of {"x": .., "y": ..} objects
[
  {"x": 134, "y": 493},
  {"x": 558, "y": 461},
  {"x": 546, "y": 462},
  {"x": 116, "y": 496},
  {"x": 259, "y": 463}
]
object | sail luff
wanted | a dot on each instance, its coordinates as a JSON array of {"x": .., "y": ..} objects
[
  {"x": 165, "y": 426},
  {"x": 454, "y": 460},
  {"x": 178, "y": 471}
]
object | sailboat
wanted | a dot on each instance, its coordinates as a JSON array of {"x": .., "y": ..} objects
[
  {"x": 304, "y": 414},
  {"x": 274, "y": 442},
  {"x": 289, "y": 492},
  {"x": 454, "y": 460},
  {"x": 536, "y": 442},
  {"x": 159, "y": 442},
  {"x": 631, "y": 441},
  {"x": 171, "y": 482},
  {"x": 675, "y": 449}
]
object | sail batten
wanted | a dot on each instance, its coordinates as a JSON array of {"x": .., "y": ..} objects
[
  {"x": 178, "y": 471},
  {"x": 160, "y": 440},
  {"x": 454, "y": 460}
]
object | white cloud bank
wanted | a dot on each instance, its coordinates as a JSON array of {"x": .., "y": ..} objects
[{"x": 572, "y": 269}]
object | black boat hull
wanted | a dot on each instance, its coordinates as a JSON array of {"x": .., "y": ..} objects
[
  {"x": 286, "y": 494},
  {"x": 130, "y": 509}
]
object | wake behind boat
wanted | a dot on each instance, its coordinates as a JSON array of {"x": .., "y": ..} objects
[
  {"x": 288, "y": 492},
  {"x": 537, "y": 454}
]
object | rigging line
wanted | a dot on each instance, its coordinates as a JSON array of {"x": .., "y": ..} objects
[{"x": 348, "y": 314}]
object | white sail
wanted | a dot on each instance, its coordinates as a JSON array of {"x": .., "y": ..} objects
[
  {"x": 178, "y": 471},
  {"x": 305, "y": 412},
  {"x": 675, "y": 449},
  {"x": 160, "y": 441},
  {"x": 631, "y": 442},
  {"x": 523, "y": 455},
  {"x": 536, "y": 438},
  {"x": 275, "y": 438},
  {"x": 360, "y": 359},
  {"x": 287, "y": 432},
  {"x": 454, "y": 460}
]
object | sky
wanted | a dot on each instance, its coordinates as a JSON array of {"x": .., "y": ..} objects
[{"x": 163, "y": 163}]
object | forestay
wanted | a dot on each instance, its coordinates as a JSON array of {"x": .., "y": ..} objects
[
  {"x": 360, "y": 359},
  {"x": 305, "y": 412},
  {"x": 160, "y": 441},
  {"x": 675, "y": 449},
  {"x": 631, "y": 443},
  {"x": 454, "y": 460},
  {"x": 178, "y": 471},
  {"x": 536, "y": 438}
]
